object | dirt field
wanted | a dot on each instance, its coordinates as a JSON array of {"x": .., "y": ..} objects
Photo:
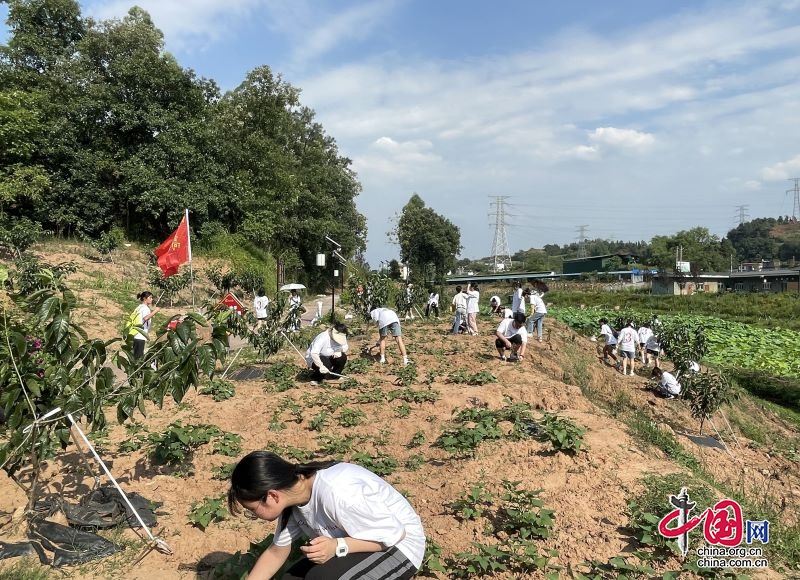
[{"x": 588, "y": 492}]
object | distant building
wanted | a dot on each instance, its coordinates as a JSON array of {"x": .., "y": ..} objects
[
  {"x": 776, "y": 280},
  {"x": 595, "y": 263}
]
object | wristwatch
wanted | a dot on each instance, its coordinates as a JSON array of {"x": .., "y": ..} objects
[{"x": 341, "y": 547}]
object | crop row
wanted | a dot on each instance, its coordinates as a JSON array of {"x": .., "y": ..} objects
[{"x": 775, "y": 351}]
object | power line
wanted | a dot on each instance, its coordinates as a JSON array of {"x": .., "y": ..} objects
[
  {"x": 501, "y": 254},
  {"x": 742, "y": 213},
  {"x": 582, "y": 240},
  {"x": 796, "y": 191}
]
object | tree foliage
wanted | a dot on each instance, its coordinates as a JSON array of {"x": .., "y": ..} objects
[
  {"x": 48, "y": 361},
  {"x": 429, "y": 242},
  {"x": 100, "y": 127}
]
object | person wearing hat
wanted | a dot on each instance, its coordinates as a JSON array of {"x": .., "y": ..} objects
[{"x": 327, "y": 354}]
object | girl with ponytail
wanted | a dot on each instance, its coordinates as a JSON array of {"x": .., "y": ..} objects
[{"x": 358, "y": 525}]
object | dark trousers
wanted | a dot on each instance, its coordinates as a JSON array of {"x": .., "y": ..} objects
[
  {"x": 335, "y": 365},
  {"x": 388, "y": 565},
  {"x": 434, "y": 307},
  {"x": 514, "y": 340}
]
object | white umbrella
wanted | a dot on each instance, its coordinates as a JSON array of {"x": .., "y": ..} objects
[{"x": 292, "y": 286}]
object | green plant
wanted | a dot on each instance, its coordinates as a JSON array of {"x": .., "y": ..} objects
[
  {"x": 374, "y": 395},
  {"x": 426, "y": 395},
  {"x": 208, "y": 511},
  {"x": 223, "y": 472},
  {"x": 320, "y": 421},
  {"x": 229, "y": 445},
  {"x": 280, "y": 377},
  {"x": 290, "y": 452},
  {"x": 357, "y": 366},
  {"x": 706, "y": 392},
  {"x": 402, "y": 410},
  {"x": 295, "y": 410},
  {"x": 417, "y": 439},
  {"x": 432, "y": 562},
  {"x": 380, "y": 464},
  {"x": 275, "y": 423},
  {"x": 406, "y": 375},
  {"x": 562, "y": 433},
  {"x": 522, "y": 512},
  {"x": 330, "y": 445},
  {"x": 473, "y": 503},
  {"x": 351, "y": 417},
  {"x": 177, "y": 444},
  {"x": 219, "y": 389},
  {"x": 415, "y": 462}
]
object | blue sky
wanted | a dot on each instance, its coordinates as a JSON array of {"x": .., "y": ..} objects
[{"x": 632, "y": 118}]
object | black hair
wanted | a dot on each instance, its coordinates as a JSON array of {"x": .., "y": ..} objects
[
  {"x": 339, "y": 327},
  {"x": 458, "y": 288},
  {"x": 143, "y": 295},
  {"x": 262, "y": 471},
  {"x": 261, "y": 292},
  {"x": 657, "y": 372},
  {"x": 526, "y": 292},
  {"x": 603, "y": 321},
  {"x": 475, "y": 287},
  {"x": 519, "y": 317}
]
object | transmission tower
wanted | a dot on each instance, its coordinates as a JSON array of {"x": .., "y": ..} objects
[
  {"x": 582, "y": 240},
  {"x": 796, "y": 191},
  {"x": 741, "y": 211},
  {"x": 500, "y": 252}
]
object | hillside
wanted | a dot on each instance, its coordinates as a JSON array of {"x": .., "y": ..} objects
[{"x": 391, "y": 418}]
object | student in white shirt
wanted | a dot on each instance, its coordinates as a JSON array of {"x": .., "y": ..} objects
[
  {"x": 358, "y": 525},
  {"x": 459, "y": 304},
  {"x": 628, "y": 340},
  {"x": 388, "y": 323},
  {"x": 327, "y": 354},
  {"x": 433, "y": 304},
  {"x": 668, "y": 386},
  {"x": 496, "y": 306},
  {"x": 611, "y": 342},
  {"x": 512, "y": 335},
  {"x": 473, "y": 305},
  {"x": 517, "y": 300},
  {"x": 538, "y": 311},
  {"x": 260, "y": 305}
]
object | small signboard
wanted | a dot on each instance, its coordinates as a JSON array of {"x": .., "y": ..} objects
[{"x": 231, "y": 302}]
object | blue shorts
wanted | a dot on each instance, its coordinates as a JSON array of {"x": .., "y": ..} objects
[
  {"x": 628, "y": 353},
  {"x": 393, "y": 329}
]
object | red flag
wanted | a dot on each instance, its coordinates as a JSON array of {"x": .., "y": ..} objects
[{"x": 175, "y": 250}]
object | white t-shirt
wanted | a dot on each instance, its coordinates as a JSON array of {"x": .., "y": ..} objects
[
  {"x": 670, "y": 383},
  {"x": 143, "y": 310},
  {"x": 644, "y": 334},
  {"x": 506, "y": 328},
  {"x": 460, "y": 301},
  {"x": 508, "y": 313},
  {"x": 517, "y": 303},
  {"x": 473, "y": 298},
  {"x": 294, "y": 302},
  {"x": 433, "y": 299},
  {"x": 384, "y": 317},
  {"x": 322, "y": 345},
  {"x": 350, "y": 501},
  {"x": 537, "y": 304},
  {"x": 494, "y": 300},
  {"x": 628, "y": 339},
  {"x": 606, "y": 331},
  {"x": 260, "y": 306}
]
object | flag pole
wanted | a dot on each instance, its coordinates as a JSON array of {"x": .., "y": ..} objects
[{"x": 189, "y": 239}]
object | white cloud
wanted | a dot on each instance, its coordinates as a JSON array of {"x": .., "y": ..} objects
[
  {"x": 782, "y": 170},
  {"x": 628, "y": 138},
  {"x": 388, "y": 157},
  {"x": 184, "y": 24},
  {"x": 586, "y": 152}
]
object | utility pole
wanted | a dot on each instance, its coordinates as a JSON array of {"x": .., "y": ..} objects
[
  {"x": 796, "y": 191},
  {"x": 742, "y": 213},
  {"x": 501, "y": 255},
  {"x": 582, "y": 240}
]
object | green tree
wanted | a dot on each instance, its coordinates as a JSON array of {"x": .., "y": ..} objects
[
  {"x": 428, "y": 241},
  {"x": 753, "y": 240},
  {"x": 705, "y": 251}
]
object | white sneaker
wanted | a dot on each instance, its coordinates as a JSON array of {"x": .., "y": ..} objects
[
  {"x": 383, "y": 361},
  {"x": 406, "y": 361},
  {"x": 502, "y": 357},
  {"x": 632, "y": 373}
]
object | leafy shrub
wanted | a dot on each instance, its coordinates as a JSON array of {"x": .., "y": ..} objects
[
  {"x": 204, "y": 513},
  {"x": 108, "y": 241},
  {"x": 562, "y": 433},
  {"x": 20, "y": 234},
  {"x": 351, "y": 417},
  {"x": 178, "y": 442},
  {"x": 219, "y": 389},
  {"x": 230, "y": 444},
  {"x": 706, "y": 392},
  {"x": 380, "y": 464},
  {"x": 473, "y": 503}
]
